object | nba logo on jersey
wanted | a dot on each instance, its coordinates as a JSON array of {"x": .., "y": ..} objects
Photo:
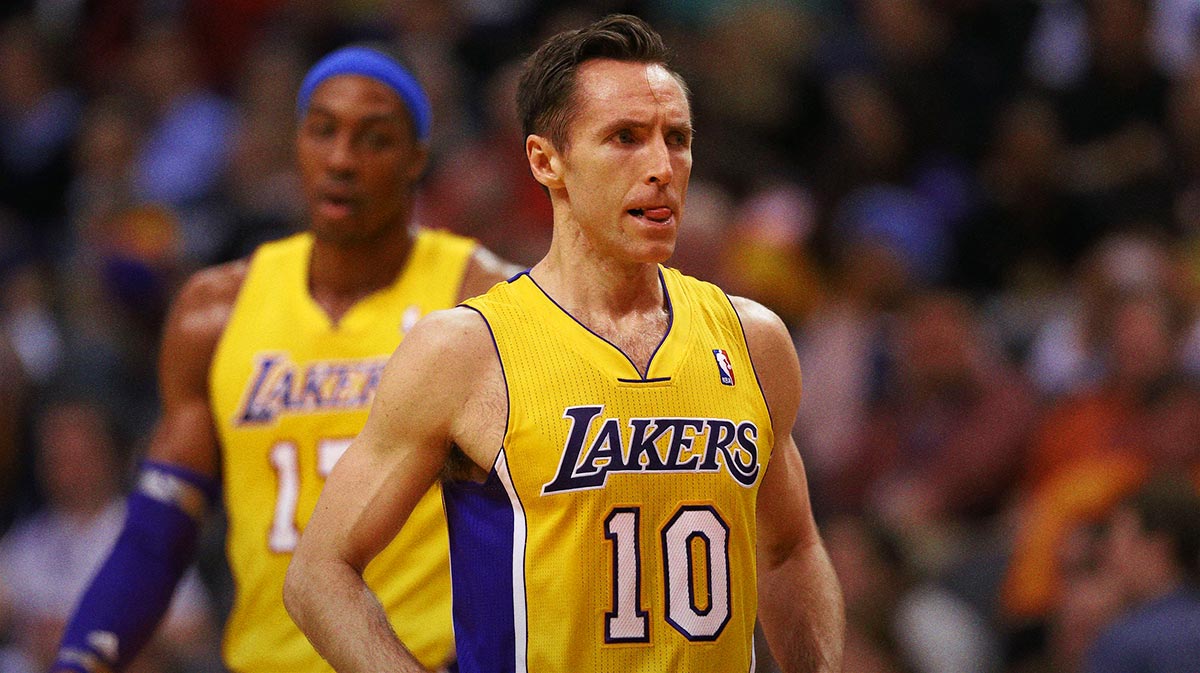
[{"x": 724, "y": 366}]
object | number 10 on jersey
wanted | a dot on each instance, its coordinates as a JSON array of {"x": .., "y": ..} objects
[{"x": 694, "y": 543}]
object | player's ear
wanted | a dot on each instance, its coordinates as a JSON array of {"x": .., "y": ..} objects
[{"x": 544, "y": 161}]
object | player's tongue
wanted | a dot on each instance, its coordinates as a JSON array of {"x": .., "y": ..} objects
[{"x": 656, "y": 214}]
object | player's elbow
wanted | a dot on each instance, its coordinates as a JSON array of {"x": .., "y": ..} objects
[{"x": 298, "y": 585}]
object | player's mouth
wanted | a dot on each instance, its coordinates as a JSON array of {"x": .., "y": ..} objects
[
  {"x": 337, "y": 206},
  {"x": 657, "y": 215}
]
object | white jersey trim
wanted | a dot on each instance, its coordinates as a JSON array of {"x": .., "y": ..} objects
[{"x": 520, "y": 611}]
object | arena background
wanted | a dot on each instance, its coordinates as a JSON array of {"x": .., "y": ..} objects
[{"x": 979, "y": 218}]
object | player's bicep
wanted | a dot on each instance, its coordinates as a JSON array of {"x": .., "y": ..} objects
[
  {"x": 399, "y": 453},
  {"x": 784, "y": 512},
  {"x": 186, "y": 432},
  {"x": 366, "y": 499}
]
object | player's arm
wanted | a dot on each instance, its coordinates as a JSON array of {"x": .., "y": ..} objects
[
  {"x": 800, "y": 600},
  {"x": 374, "y": 487},
  {"x": 176, "y": 484}
]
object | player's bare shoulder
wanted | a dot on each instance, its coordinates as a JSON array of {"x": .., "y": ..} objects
[
  {"x": 761, "y": 323},
  {"x": 453, "y": 346},
  {"x": 453, "y": 362},
  {"x": 198, "y": 316},
  {"x": 202, "y": 308},
  {"x": 457, "y": 331}
]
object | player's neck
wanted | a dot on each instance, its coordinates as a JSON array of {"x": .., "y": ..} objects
[
  {"x": 584, "y": 283},
  {"x": 339, "y": 274},
  {"x": 622, "y": 302}
]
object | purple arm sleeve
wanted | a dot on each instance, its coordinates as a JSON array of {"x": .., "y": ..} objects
[{"x": 131, "y": 592}]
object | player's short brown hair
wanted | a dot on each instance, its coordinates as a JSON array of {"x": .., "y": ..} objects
[{"x": 546, "y": 93}]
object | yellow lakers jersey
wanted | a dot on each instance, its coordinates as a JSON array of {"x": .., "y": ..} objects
[
  {"x": 616, "y": 530},
  {"x": 290, "y": 390}
]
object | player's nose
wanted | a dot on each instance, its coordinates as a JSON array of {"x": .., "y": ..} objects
[{"x": 658, "y": 163}]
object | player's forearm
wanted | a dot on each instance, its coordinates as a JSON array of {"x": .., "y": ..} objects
[
  {"x": 126, "y": 600},
  {"x": 800, "y": 604},
  {"x": 336, "y": 610}
]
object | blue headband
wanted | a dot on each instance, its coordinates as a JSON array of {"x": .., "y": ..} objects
[{"x": 377, "y": 66}]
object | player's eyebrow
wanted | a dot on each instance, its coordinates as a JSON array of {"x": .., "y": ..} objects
[
  {"x": 623, "y": 123},
  {"x": 632, "y": 123},
  {"x": 686, "y": 129}
]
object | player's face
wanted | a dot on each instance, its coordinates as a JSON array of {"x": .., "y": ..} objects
[
  {"x": 358, "y": 159},
  {"x": 629, "y": 158}
]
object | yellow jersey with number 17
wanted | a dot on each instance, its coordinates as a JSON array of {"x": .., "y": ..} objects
[
  {"x": 616, "y": 530},
  {"x": 289, "y": 391}
]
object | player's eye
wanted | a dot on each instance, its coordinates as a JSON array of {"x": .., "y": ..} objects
[
  {"x": 378, "y": 140},
  {"x": 320, "y": 128}
]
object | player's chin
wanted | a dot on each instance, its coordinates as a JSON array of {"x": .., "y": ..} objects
[
  {"x": 655, "y": 252},
  {"x": 329, "y": 228},
  {"x": 343, "y": 231}
]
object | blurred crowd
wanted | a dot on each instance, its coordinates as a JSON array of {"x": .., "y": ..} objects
[{"x": 979, "y": 218}]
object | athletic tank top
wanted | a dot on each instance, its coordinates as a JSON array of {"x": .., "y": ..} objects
[
  {"x": 289, "y": 391},
  {"x": 616, "y": 530}
]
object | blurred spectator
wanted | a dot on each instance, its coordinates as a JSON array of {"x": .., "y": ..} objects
[
  {"x": 1073, "y": 350},
  {"x": 39, "y": 117},
  {"x": 1164, "y": 437},
  {"x": 767, "y": 256},
  {"x": 483, "y": 187},
  {"x": 843, "y": 349},
  {"x": 181, "y": 161},
  {"x": 28, "y": 322},
  {"x": 942, "y": 443},
  {"x": 868, "y": 562},
  {"x": 895, "y": 621},
  {"x": 125, "y": 269},
  {"x": 46, "y": 559},
  {"x": 1114, "y": 123},
  {"x": 1152, "y": 551},
  {"x": 908, "y": 44},
  {"x": 261, "y": 185},
  {"x": 883, "y": 185},
  {"x": 1088, "y": 602},
  {"x": 1136, "y": 341},
  {"x": 1026, "y": 229},
  {"x": 756, "y": 105},
  {"x": 1183, "y": 124},
  {"x": 103, "y": 169},
  {"x": 14, "y": 395},
  {"x": 869, "y": 140}
]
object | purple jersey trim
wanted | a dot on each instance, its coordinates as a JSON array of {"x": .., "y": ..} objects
[{"x": 480, "y": 521}]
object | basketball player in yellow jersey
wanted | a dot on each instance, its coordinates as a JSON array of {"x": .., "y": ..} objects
[
  {"x": 621, "y": 487},
  {"x": 268, "y": 368}
]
